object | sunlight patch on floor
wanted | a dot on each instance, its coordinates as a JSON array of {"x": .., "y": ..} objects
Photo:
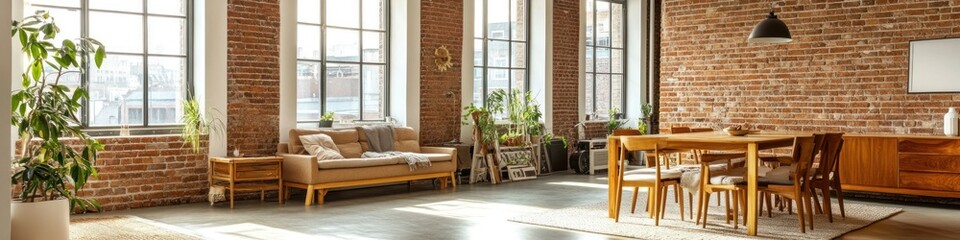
[
  {"x": 471, "y": 210},
  {"x": 252, "y": 231}
]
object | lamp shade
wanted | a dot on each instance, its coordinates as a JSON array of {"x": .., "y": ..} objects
[{"x": 770, "y": 30}]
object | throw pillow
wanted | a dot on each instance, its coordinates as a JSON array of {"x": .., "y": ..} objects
[{"x": 321, "y": 145}]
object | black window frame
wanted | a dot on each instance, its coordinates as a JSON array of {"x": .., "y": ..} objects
[
  {"x": 485, "y": 40},
  {"x": 623, "y": 64}
]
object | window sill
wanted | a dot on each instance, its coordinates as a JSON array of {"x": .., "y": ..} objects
[{"x": 144, "y": 131}]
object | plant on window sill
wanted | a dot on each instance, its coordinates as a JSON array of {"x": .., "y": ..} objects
[
  {"x": 44, "y": 110},
  {"x": 195, "y": 124}
]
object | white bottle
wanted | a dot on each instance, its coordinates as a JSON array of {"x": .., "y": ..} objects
[
  {"x": 236, "y": 152},
  {"x": 950, "y": 122}
]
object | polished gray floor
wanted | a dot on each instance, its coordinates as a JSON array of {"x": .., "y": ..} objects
[{"x": 471, "y": 212}]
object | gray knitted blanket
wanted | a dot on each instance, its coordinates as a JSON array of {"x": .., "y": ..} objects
[{"x": 414, "y": 160}]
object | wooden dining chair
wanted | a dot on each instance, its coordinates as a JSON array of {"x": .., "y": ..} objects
[
  {"x": 656, "y": 181},
  {"x": 825, "y": 175},
  {"x": 796, "y": 186}
]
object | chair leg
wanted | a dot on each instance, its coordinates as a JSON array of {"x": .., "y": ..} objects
[
  {"x": 727, "y": 207},
  {"x": 676, "y": 197},
  {"x": 704, "y": 207},
  {"x": 760, "y": 204},
  {"x": 803, "y": 229},
  {"x": 736, "y": 209},
  {"x": 769, "y": 205},
  {"x": 690, "y": 203},
  {"x": 680, "y": 201},
  {"x": 808, "y": 208},
  {"x": 836, "y": 186},
  {"x": 656, "y": 205},
  {"x": 718, "y": 200},
  {"x": 616, "y": 201},
  {"x": 816, "y": 202},
  {"x": 633, "y": 204},
  {"x": 827, "y": 203},
  {"x": 663, "y": 201},
  {"x": 651, "y": 195}
]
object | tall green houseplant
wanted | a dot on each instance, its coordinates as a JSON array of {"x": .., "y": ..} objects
[{"x": 45, "y": 110}]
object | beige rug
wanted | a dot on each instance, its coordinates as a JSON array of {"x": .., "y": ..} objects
[
  {"x": 593, "y": 218},
  {"x": 125, "y": 227}
]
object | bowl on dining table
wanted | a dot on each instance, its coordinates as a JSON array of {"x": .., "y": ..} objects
[{"x": 736, "y": 132}]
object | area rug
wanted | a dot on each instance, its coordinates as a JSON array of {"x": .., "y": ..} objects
[
  {"x": 593, "y": 218},
  {"x": 125, "y": 227}
]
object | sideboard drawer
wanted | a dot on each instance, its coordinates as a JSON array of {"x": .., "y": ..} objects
[
  {"x": 929, "y": 163},
  {"x": 930, "y": 181},
  {"x": 938, "y": 146}
]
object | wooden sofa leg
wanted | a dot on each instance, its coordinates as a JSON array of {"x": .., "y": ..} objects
[
  {"x": 322, "y": 193},
  {"x": 453, "y": 179},
  {"x": 309, "y": 200}
]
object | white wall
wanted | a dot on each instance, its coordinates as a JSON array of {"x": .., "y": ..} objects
[
  {"x": 637, "y": 69},
  {"x": 288, "y": 68},
  {"x": 211, "y": 76},
  {"x": 581, "y": 92},
  {"x": 466, "y": 75},
  {"x": 6, "y": 66},
  {"x": 405, "y": 62},
  {"x": 541, "y": 58}
]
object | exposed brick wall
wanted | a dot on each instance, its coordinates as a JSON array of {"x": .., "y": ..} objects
[
  {"x": 441, "y": 24},
  {"x": 147, "y": 171},
  {"x": 566, "y": 67},
  {"x": 846, "y": 69},
  {"x": 253, "y": 75}
]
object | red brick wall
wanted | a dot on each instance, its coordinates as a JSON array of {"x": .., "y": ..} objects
[
  {"x": 441, "y": 24},
  {"x": 846, "y": 69},
  {"x": 566, "y": 67},
  {"x": 253, "y": 75}
]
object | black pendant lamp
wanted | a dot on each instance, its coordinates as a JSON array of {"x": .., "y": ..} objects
[{"x": 770, "y": 30}]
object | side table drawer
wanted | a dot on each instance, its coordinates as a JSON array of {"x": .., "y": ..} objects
[{"x": 249, "y": 171}]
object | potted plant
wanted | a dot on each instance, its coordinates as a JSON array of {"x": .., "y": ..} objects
[
  {"x": 326, "y": 120},
  {"x": 195, "y": 124},
  {"x": 644, "y": 122},
  {"x": 614, "y": 122},
  {"x": 49, "y": 173}
]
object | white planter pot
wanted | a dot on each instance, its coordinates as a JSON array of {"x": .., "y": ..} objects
[
  {"x": 950, "y": 123},
  {"x": 47, "y": 220}
]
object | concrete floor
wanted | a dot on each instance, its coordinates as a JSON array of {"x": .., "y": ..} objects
[{"x": 471, "y": 212}]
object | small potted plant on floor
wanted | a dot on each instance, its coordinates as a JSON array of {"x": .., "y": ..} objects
[
  {"x": 326, "y": 120},
  {"x": 50, "y": 170}
]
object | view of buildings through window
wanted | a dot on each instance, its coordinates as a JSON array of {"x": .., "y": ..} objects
[
  {"x": 342, "y": 59},
  {"x": 605, "y": 56},
  {"x": 147, "y": 57},
  {"x": 500, "y": 46}
]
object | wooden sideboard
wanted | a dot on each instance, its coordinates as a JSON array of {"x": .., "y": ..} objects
[{"x": 901, "y": 164}]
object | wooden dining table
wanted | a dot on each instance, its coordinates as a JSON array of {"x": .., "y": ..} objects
[{"x": 751, "y": 144}]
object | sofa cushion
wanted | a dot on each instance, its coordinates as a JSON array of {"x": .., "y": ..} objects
[
  {"x": 437, "y": 157},
  {"x": 321, "y": 145},
  {"x": 359, "y": 162},
  {"x": 404, "y": 140},
  {"x": 347, "y": 141}
]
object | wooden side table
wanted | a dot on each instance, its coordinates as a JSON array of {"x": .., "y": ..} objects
[{"x": 247, "y": 174}]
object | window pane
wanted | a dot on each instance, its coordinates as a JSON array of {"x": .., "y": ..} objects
[
  {"x": 589, "y": 93},
  {"x": 478, "y": 52},
  {"x": 518, "y": 79},
  {"x": 119, "y": 32},
  {"x": 518, "y": 16},
  {"x": 168, "y": 81},
  {"x": 343, "y": 91},
  {"x": 374, "y": 47},
  {"x": 60, "y": 3},
  {"x": 590, "y": 60},
  {"x": 603, "y": 24},
  {"x": 498, "y": 19},
  {"x": 343, "y": 45},
  {"x": 168, "y": 7},
  {"x": 616, "y": 24},
  {"x": 116, "y": 92},
  {"x": 374, "y": 82},
  {"x": 616, "y": 60},
  {"x": 498, "y": 53},
  {"x": 167, "y": 35},
  {"x": 68, "y": 20},
  {"x": 590, "y": 25},
  {"x": 308, "y": 91},
  {"x": 478, "y": 86},
  {"x": 497, "y": 79},
  {"x": 308, "y": 42},
  {"x": 308, "y": 11},
  {"x": 478, "y": 18},
  {"x": 603, "y": 60},
  {"x": 118, "y": 5},
  {"x": 616, "y": 91},
  {"x": 343, "y": 13},
  {"x": 518, "y": 58},
  {"x": 603, "y": 95},
  {"x": 373, "y": 17}
]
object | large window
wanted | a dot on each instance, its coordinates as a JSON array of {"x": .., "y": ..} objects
[
  {"x": 342, "y": 59},
  {"x": 145, "y": 75},
  {"x": 605, "y": 56},
  {"x": 500, "y": 46}
]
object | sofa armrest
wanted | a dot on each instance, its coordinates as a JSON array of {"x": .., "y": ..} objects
[
  {"x": 300, "y": 168},
  {"x": 442, "y": 150},
  {"x": 283, "y": 148}
]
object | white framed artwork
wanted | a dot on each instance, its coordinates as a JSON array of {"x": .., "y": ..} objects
[{"x": 934, "y": 66}]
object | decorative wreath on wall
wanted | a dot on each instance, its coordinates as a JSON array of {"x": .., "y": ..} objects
[{"x": 441, "y": 56}]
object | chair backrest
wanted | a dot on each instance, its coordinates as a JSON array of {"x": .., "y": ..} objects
[
  {"x": 830, "y": 155},
  {"x": 803, "y": 153},
  {"x": 626, "y": 132},
  {"x": 631, "y": 144},
  {"x": 679, "y": 130}
]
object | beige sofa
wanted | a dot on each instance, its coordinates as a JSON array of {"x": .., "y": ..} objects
[{"x": 303, "y": 171}]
